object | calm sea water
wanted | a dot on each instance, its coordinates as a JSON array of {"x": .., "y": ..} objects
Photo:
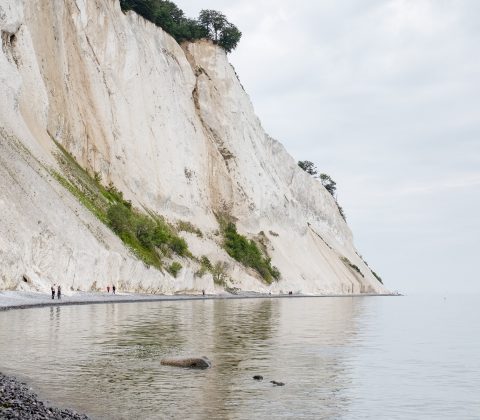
[{"x": 341, "y": 358}]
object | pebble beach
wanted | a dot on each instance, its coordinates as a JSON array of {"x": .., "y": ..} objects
[{"x": 18, "y": 401}]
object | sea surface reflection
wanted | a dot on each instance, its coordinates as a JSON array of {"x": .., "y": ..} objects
[{"x": 337, "y": 356}]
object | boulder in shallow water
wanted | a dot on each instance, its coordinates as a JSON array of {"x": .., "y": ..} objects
[{"x": 188, "y": 362}]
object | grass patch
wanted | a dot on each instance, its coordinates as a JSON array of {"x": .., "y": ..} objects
[
  {"x": 149, "y": 236},
  {"x": 84, "y": 198},
  {"x": 183, "y": 226},
  {"x": 377, "y": 276},
  {"x": 340, "y": 210},
  {"x": 219, "y": 273},
  {"x": 205, "y": 267},
  {"x": 218, "y": 270},
  {"x": 348, "y": 263},
  {"x": 174, "y": 268},
  {"x": 373, "y": 272},
  {"x": 145, "y": 233},
  {"x": 246, "y": 251}
]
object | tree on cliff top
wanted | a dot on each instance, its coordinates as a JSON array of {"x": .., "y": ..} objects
[
  {"x": 215, "y": 22},
  {"x": 166, "y": 14},
  {"x": 220, "y": 30},
  {"x": 229, "y": 38}
]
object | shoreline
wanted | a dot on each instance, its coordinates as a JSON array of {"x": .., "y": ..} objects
[
  {"x": 10, "y": 300},
  {"x": 19, "y": 401}
]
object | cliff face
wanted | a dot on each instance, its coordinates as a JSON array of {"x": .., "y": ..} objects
[{"x": 170, "y": 126}]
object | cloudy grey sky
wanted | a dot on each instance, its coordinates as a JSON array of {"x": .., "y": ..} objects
[{"x": 383, "y": 95}]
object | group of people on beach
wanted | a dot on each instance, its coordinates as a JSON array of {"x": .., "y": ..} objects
[
  {"x": 114, "y": 289},
  {"x": 59, "y": 292}
]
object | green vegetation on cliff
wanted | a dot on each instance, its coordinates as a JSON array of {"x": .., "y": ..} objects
[
  {"x": 218, "y": 270},
  {"x": 329, "y": 184},
  {"x": 349, "y": 264},
  {"x": 149, "y": 236},
  {"x": 373, "y": 272},
  {"x": 377, "y": 276},
  {"x": 174, "y": 268},
  {"x": 210, "y": 24},
  {"x": 247, "y": 252}
]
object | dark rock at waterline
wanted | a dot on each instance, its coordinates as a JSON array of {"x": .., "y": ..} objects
[
  {"x": 17, "y": 401},
  {"x": 188, "y": 362},
  {"x": 258, "y": 377},
  {"x": 277, "y": 383}
]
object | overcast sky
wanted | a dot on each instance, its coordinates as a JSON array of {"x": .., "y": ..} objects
[{"x": 384, "y": 96}]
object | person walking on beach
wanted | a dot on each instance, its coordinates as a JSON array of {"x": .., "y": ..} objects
[
  {"x": 59, "y": 292},
  {"x": 108, "y": 289},
  {"x": 53, "y": 292},
  {"x": 113, "y": 289}
]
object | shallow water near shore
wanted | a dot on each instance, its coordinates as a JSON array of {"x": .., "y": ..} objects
[{"x": 342, "y": 358}]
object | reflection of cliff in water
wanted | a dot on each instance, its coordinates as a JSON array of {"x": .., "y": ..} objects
[
  {"x": 327, "y": 329},
  {"x": 229, "y": 332},
  {"x": 142, "y": 336},
  {"x": 314, "y": 336},
  {"x": 107, "y": 353},
  {"x": 241, "y": 328},
  {"x": 289, "y": 336}
]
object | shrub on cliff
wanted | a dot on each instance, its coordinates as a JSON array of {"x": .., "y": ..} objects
[
  {"x": 120, "y": 220},
  {"x": 137, "y": 229},
  {"x": 174, "y": 268},
  {"x": 166, "y": 14},
  {"x": 219, "y": 273},
  {"x": 329, "y": 184},
  {"x": 377, "y": 277},
  {"x": 248, "y": 253},
  {"x": 308, "y": 167}
]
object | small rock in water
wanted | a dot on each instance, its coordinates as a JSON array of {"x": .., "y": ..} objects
[
  {"x": 258, "y": 377},
  {"x": 277, "y": 383}
]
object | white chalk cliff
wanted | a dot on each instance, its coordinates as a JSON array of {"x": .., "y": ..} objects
[{"x": 171, "y": 127}]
